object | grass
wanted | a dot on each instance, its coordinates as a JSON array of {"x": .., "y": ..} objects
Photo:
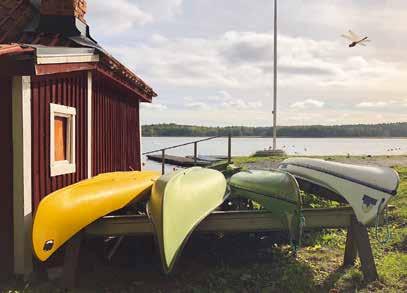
[{"x": 253, "y": 262}]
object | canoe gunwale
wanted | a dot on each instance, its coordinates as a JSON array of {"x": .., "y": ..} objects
[
  {"x": 345, "y": 177},
  {"x": 265, "y": 195},
  {"x": 156, "y": 236}
]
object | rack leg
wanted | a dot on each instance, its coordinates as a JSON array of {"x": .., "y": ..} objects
[
  {"x": 351, "y": 250},
  {"x": 71, "y": 261},
  {"x": 365, "y": 250}
]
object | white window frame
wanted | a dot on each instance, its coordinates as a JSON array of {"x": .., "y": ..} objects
[{"x": 68, "y": 166}]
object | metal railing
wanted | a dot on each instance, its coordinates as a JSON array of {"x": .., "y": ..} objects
[{"x": 195, "y": 143}]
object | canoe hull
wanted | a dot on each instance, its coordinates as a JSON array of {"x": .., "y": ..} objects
[
  {"x": 179, "y": 202},
  {"x": 65, "y": 212}
]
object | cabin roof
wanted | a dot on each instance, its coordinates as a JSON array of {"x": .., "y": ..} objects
[
  {"x": 12, "y": 49},
  {"x": 23, "y": 29}
]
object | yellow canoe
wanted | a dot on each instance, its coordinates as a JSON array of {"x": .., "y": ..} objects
[{"x": 65, "y": 212}]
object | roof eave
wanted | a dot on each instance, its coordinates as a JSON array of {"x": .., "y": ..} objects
[{"x": 42, "y": 60}]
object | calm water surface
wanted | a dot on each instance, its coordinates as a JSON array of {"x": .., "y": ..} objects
[{"x": 292, "y": 146}]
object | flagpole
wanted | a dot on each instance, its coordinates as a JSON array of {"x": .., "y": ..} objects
[{"x": 275, "y": 80}]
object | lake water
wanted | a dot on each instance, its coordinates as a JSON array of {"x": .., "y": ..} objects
[{"x": 293, "y": 146}]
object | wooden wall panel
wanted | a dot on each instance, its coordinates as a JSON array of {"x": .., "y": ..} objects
[
  {"x": 116, "y": 135},
  {"x": 6, "y": 180},
  {"x": 63, "y": 89}
]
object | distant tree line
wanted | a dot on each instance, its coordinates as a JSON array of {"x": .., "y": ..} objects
[{"x": 360, "y": 130}]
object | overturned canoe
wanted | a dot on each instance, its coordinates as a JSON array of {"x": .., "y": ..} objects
[
  {"x": 367, "y": 189},
  {"x": 179, "y": 202},
  {"x": 274, "y": 190},
  {"x": 65, "y": 212}
]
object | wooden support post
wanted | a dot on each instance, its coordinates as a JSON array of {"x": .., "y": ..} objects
[
  {"x": 359, "y": 232},
  {"x": 230, "y": 148},
  {"x": 195, "y": 152},
  {"x": 40, "y": 271},
  {"x": 351, "y": 251},
  {"x": 163, "y": 162},
  {"x": 71, "y": 261}
]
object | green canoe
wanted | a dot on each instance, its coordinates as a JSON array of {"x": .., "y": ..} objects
[
  {"x": 179, "y": 202},
  {"x": 275, "y": 191}
]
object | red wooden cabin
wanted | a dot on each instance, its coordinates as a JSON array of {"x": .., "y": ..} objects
[{"x": 68, "y": 111}]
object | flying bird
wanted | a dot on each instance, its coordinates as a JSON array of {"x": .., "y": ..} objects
[{"x": 355, "y": 39}]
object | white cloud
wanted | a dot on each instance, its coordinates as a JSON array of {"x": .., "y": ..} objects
[
  {"x": 112, "y": 17},
  {"x": 163, "y": 9},
  {"x": 243, "y": 60},
  {"x": 198, "y": 106},
  {"x": 221, "y": 96},
  {"x": 309, "y": 103},
  {"x": 158, "y": 39},
  {"x": 224, "y": 100},
  {"x": 371, "y": 104},
  {"x": 244, "y": 73},
  {"x": 154, "y": 106},
  {"x": 241, "y": 104}
]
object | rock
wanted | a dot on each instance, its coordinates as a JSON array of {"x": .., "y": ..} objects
[{"x": 245, "y": 277}]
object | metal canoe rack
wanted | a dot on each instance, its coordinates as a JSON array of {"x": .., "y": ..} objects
[{"x": 357, "y": 241}]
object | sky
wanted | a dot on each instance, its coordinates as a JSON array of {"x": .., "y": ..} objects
[{"x": 211, "y": 61}]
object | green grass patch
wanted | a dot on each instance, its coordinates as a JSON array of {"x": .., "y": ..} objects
[
  {"x": 252, "y": 159},
  {"x": 393, "y": 268}
]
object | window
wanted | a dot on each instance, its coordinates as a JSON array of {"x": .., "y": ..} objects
[{"x": 62, "y": 139}]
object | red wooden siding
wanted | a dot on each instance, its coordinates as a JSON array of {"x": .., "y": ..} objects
[
  {"x": 6, "y": 179},
  {"x": 116, "y": 134},
  {"x": 64, "y": 89}
]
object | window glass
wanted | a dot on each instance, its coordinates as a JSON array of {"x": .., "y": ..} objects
[{"x": 60, "y": 136}]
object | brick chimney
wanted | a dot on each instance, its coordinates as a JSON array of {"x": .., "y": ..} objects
[
  {"x": 66, "y": 17},
  {"x": 76, "y": 8}
]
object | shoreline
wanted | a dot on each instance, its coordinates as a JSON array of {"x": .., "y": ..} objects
[
  {"x": 273, "y": 162},
  {"x": 330, "y": 137}
]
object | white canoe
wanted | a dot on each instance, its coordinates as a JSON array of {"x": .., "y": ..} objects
[{"x": 366, "y": 188}]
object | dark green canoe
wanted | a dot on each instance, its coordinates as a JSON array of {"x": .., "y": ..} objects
[{"x": 275, "y": 191}]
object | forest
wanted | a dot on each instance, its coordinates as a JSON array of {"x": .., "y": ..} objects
[{"x": 359, "y": 130}]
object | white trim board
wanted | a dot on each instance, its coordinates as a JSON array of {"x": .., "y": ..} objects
[
  {"x": 140, "y": 136},
  {"x": 61, "y": 59},
  {"x": 68, "y": 166},
  {"x": 22, "y": 201}
]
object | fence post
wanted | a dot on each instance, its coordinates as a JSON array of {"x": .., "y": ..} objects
[
  {"x": 195, "y": 152},
  {"x": 230, "y": 148},
  {"x": 163, "y": 162}
]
